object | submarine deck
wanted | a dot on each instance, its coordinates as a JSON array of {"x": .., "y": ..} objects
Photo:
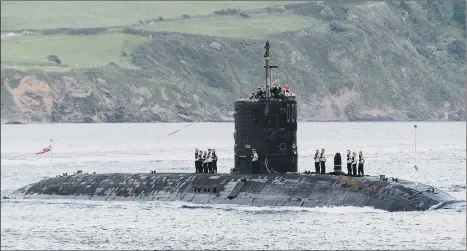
[{"x": 303, "y": 190}]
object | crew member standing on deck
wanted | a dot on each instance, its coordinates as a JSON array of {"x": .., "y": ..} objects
[
  {"x": 205, "y": 164},
  {"x": 322, "y": 160},
  {"x": 317, "y": 161},
  {"x": 209, "y": 161},
  {"x": 214, "y": 161},
  {"x": 274, "y": 91},
  {"x": 361, "y": 161},
  {"x": 254, "y": 162},
  {"x": 354, "y": 164},
  {"x": 197, "y": 163},
  {"x": 349, "y": 163}
]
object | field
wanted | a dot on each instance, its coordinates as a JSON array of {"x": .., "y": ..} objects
[
  {"x": 73, "y": 51},
  {"x": 27, "y": 51},
  {"x": 88, "y": 14},
  {"x": 237, "y": 26}
]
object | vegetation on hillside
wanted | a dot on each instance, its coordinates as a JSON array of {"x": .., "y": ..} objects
[
  {"x": 35, "y": 15},
  {"x": 346, "y": 61}
]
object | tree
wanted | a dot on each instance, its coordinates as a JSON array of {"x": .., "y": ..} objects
[{"x": 54, "y": 58}]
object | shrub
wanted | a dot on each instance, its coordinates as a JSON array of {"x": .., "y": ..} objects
[
  {"x": 54, "y": 58},
  {"x": 227, "y": 12}
]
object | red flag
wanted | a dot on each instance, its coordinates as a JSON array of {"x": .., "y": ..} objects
[{"x": 47, "y": 149}]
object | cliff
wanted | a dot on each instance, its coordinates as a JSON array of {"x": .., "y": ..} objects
[{"x": 363, "y": 61}]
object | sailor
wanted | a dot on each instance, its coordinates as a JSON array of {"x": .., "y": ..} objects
[
  {"x": 209, "y": 161},
  {"x": 349, "y": 163},
  {"x": 287, "y": 90},
  {"x": 354, "y": 164},
  {"x": 251, "y": 95},
  {"x": 200, "y": 161},
  {"x": 254, "y": 162},
  {"x": 259, "y": 93},
  {"x": 317, "y": 161},
  {"x": 205, "y": 163},
  {"x": 197, "y": 162},
  {"x": 274, "y": 91},
  {"x": 214, "y": 161},
  {"x": 322, "y": 159},
  {"x": 361, "y": 161}
]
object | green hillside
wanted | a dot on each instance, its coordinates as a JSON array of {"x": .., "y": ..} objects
[
  {"x": 90, "y": 14},
  {"x": 176, "y": 61}
]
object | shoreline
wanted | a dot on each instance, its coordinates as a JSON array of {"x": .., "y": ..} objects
[{"x": 299, "y": 121}]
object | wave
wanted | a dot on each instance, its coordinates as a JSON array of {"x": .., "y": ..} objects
[{"x": 280, "y": 209}]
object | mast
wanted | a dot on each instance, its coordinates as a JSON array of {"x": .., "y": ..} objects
[
  {"x": 266, "y": 56},
  {"x": 268, "y": 68}
]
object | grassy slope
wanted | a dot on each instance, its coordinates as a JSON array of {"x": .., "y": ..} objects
[
  {"x": 366, "y": 44},
  {"x": 236, "y": 26},
  {"x": 74, "y": 51},
  {"x": 88, "y": 14},
  {"x": 26, "y": 52},
  {"x": 30, "y": 52}
]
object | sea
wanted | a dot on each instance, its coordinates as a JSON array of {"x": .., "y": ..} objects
[{"x": 391, "y": 148}]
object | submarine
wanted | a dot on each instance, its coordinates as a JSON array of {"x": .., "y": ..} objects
[{"x": 267, "y": 124}]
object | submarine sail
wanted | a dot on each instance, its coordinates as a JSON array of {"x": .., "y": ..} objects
[{"x": 267, "y": 124}]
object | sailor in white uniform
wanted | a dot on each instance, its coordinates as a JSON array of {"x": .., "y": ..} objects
[
  {"x": 361, "y": 161},
  {"x": 322, "y": 160},
  {"x": 317, "y": 161},
  {"x": 354, "y": 164},
  {"x": 209, "y": 161},
  {"x": 255, "y": 162}
]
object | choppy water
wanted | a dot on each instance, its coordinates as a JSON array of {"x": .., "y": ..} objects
[{"x": 68, "y": 224}]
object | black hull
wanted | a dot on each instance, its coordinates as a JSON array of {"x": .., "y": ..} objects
[{"x": 301, "y": 190}]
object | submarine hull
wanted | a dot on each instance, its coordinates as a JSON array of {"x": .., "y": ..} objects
[{"x": 300, "y": 190}]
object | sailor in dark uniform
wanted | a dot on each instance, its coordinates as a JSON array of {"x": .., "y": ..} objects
[
  {"x": 317, "y": 161},
  {"x": 214, "y": 161},
  {"x": 349, "y": 163},
  {"x": 197, "y": 162},
  {"x": 354, "y": 164},
  {"x": 361, "y": 161},
  {"x": 259, "y": 93},
  {"x": 205, "y": 164},
  {"x": 274, "y": 91},
  {"x": 209, "y": 161},
  {"x": 322, "y": 160},
  {"x": 254, "y": 162}
]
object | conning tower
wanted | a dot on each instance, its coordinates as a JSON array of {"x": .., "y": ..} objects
[{"x": 267, "y": 124}]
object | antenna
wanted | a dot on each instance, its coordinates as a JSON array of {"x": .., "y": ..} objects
[{"x": 268, "y": 68}]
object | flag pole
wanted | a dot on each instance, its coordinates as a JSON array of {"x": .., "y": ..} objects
[
  {"x": 415, "y": 143},
  {"x": 50, "y": 151},
  {"x": 415, "y": 151}
]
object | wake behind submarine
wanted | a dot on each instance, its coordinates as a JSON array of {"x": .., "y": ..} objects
[{"x": 268, "y": 125}]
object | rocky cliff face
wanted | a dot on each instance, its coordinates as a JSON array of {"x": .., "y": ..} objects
[{"x": 376, "y": 61}]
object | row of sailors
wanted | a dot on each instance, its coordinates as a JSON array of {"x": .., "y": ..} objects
[
  {"x": 352, "y": 162},
  {"x": 275, "y": 92},
  {"x": 206, "y": 161}
]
